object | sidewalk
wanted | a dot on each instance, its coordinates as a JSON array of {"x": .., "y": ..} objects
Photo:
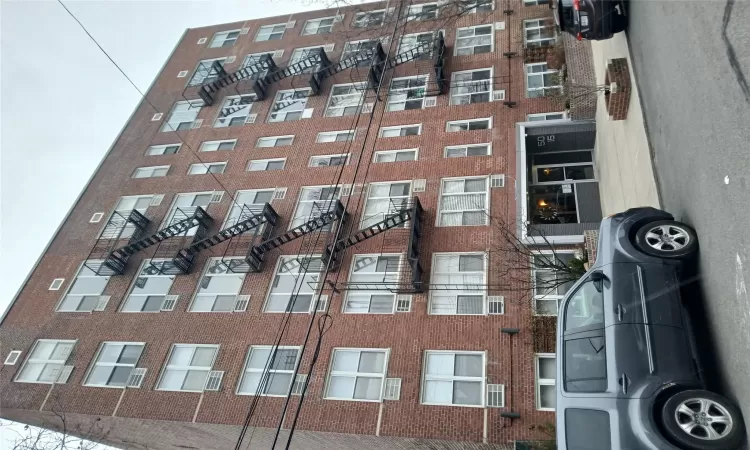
[{"x": 621, "y": 152}]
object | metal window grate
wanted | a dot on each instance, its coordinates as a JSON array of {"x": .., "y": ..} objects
[
  {"x": 101, "y": 305},
  {"x": 241, "y": 303},
  {"x": 497, "y": 181},
  {"x": 392, "y": 389},
  {"x": 299, "y": 384},
  {"x": 213, "y": 382},
  {"x": 496, "y": 395},
  {"x": 169, "y": 302},
  {"x": 496, "y": 304},
  {"x": 216, "y": 196},
  {"x": 429, "y": 102},
  {"x": 403, "y": 303},
  {"x": 498, "y": 95},
  {"x": 136, "y": 377},
  {"x": 279, "y": 193},
  {"x": 251, "y": 118},
  {"x": 12, "y": 357},
  {"x": 367, "y": 108}
]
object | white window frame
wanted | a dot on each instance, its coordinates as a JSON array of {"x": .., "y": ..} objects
[
  {"x": 150, "y": 171},
  {"x": 545, "y": 116},
  {"x": 217, "y": 143},
  {"x": 360, "y": 89},
  {"x": 377, "y": 217},
  {"x": 139, "y": 274},
  {"x": 315, "y": 158},
  {"x": 266, "y": 161},
  {"x": 95, "y": 362},
  {"x": 110, "y": 231},
  {"x": 465, "y": 147},
  {"x": 152, "y": 149},
  {"x": 395, "y": 152},
  {"x": 400, "y": 127},
  {"x": 30, "y": 359},
  {"x": 358, "y": 16},
  {"x": 266, "y": 368},
  {"x": 537, "y": 89},
  {"x": 278, "y": 99},
  {"x": 265, "y": 30},
  {"x": 404, "y": 47},
  {"x": 237, "y": 207},
  {"x": 546, "y": 297},
  {"x": 172, "y": 211},
  {"x": 455, "y": 85},
  {"x": 298, "y": 285},
  {"x": 538, "y": 25},
  {"x": 331, "y": 373},
  {"x": 227, "y": 273},
  {"x": 295, "y": 221},
  {"x": 317, "y": 27},
  {"x": 252, "y": 59},
  {"x": 224, "y": 37},
  {"x": 370, "y": 293},
  {"x": 167, "y": 366},
  {"x": 196, "y": 105},
  {"x": 481, "y": 291},
  {"x": 70, "y": 287},
  {"x": 457, "y": 46},
  {"x": 392, "y": 92},
  {"x": 197, "y": 169},
  {"x": 233, "y": 101},
  {"x": 488, "y": 200},
  {"x": 348, "y": 52},
  {"x": 275, "y": 140},
  {"x": 473, "y": 10},
  {"x": 538, "y": 382},
  {"x": 335, "y": 135},
  {"x": 300, "y": 54},
  {"x": 205, "y": 65},
  {"x": 467, "y": 122},
  {"x": 415, "y": 16},
  {"x": 452, "y": 378}
]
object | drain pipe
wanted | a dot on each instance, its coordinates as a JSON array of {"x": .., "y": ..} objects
[{"x": 510, "y": 414}]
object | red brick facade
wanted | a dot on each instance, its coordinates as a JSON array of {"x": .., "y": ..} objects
[{"x": 407, "y": 335}]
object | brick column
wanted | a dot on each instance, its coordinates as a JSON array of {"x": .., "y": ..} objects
[{"x": 618, "y": 99}]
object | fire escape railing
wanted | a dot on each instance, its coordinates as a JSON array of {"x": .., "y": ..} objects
[{"x": 110, "y": 239}]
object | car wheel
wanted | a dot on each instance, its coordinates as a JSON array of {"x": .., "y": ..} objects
[
  {"x": 702, "y": 420},
  {"x": 667, "y": 239}
]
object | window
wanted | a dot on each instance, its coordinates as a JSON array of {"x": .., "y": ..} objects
[
  {"x": 204, "y": 168},
  {"x": 396, "y": 155},
  {"x": 401, "y": 130},
  {"x": 252, "y": 63},
  {"x": 469, "y": 125},
  {"x": 84, "y": 293},
  {"x": 219, "y": 287},
  {"x": 289, "y": 105},
  {"x": 425, "y": 11},
  {"x": 357, "y": 374},
  {"x": 418, "y": 40},
  {"x": 170, "y": 149},
  {"x": 406, "y": 93},
  {"x": 370, "y": 19},
  {"x": 549, "y": 285},
  {"x": 274, "y": 141},
  {"x": 280, "y": 370},
  {"x": 182, "y": 116},
  {"x": 205, "y": 72},
  {"x": 540, "y": 80},
  {"x": 270, "y": 32},
  {"x": 224, "y": 39},
  {"x": 383, "y": 200},
  {"x": 539, "y": 32},
  {"x": 150, "y": 172},
  {"x": 463, "y": 201},
  {"x": 184, "y": 206},
  {"x": 113, "y": 363},
  {"x": 117, "y": 226},
  {"x": 247, "y": 203},
  {"x": 149, "y": 288},
  {"x": 368, "y": 271},
  {"x": 345, "y": 99},
  {"x": 301, "y": 54},
  {"x": 465, "y": 275},
  {"x": 546, "y": 373},
  {"x": 45, "y": 361},
  {"x": 585, "y": 364},
  {"x": 453, "y": 378},
  {"x": 336, "y": 136},
  {"x": 587, "y": 429},
  {"x": 474, "y": 40},
  {"x": 471, "y": 86},
  {"x": 545, "y": 116},
  {"x": 318, "y": 26},
  {"x": 234, "y": 111},
  {"x": 187, "y": 367},
  {"x": 475, "y": 6},
  {"x": 329, "y": 160},
  {"x": 292, "y": 287},
  {"x": 362, "y": 49},
  {"x": 458, "y": 151},
  {"x": 212, "y": 146},
  {"x": 585, "y": 307},
  {"x": 257, "y": 165},
  {"x": 313, "y": 202}
]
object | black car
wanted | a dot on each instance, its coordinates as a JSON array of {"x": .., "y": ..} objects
[
  {"x": 627, "y": 361},
  {"x": 591, "y": 19}
]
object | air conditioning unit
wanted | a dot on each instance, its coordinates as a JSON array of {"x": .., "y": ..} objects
[
  {"x": 251, "y": 118},
  {"x": 495, "y": 395},
  {"x": 346, "y": 190},
  {"x": 136, "y": 377},
  {"x": 277, "y": 53},
  {"x": 291, "y": 24},
  {"x": 213, "y": 382},
  {"x": 216, "y": 196},
  {"x": 197, "y": 123},
  {"x": 392, "y": 389},
  {"x": 497, "y": 181},
  {"x": 429, "y": 102},
  {"x": 279, "y": 193},
  {"x": 230, "y": 59},
  {"x": 496, "y": 304},
  {"x": 241, "y": 303},
  {"x": 101, "y": 305},
  {"x": 403, "y": 303},
  {"x": 244, "y": 30},
  {"x": 498, "y": 95},
  {"x": 156, "y": 200},
  {"x": 329, "y": 47},
  {"x": 338, "y": 18},
  {"x": 322, "y": 303},
  {"x": 499, "y": 26},
  {"x": 169, "y": 302},
  {"x": 419, "y": 185},
  {"x": 367, "y": 108},
  {"x": 307, "y": 113},
  {"x": 299, "y": 384}
]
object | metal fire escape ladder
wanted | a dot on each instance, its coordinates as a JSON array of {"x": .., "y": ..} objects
[
  {"x": 109, "y": 240},
  {"x": 265, "y": 63},
  {"x": 328, "y": 70},
  {"x": 436, "y": 49}
]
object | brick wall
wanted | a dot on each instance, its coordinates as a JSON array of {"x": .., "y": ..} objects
[
  {"x": 618, "y": 100},
  {"x": 591, "y": 241},
  {"x": 579, "y": 61}
]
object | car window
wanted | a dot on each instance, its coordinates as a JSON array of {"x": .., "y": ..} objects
[
  {"x": 585, "y": 367},
  {"x": 585, "y": 306},
  {"x": 587, "y": 429}
]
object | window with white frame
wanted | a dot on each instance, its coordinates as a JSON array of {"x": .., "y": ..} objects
[
  {"x": 396, "y": 155},
  {"x": 313, "y": 202},
  {"x": 474, "y": 40},
  {"x": 453, "y": 378},
  {"x": 84, "y": 293},
  {"x": 205, "y": 72},
  {"x": 418, "y": 40},
  {"x": 224, "y": 39},
  {"x": 274, "y": 141},
  {"x": 288, "y": 105},
  {"x": 118, "y": 225},
  {"x": 401, "y": 130},
  {"x": 369, "y": 19},
  {"x": 149, "y": 288},
  {"x": 407, "y": 93},
  {"x": 170, "y": 149},
  {"x": 425, "y": 11},
  {"x": 45, "y": 361},
  {"x": 468, "y": 125},
  {"x": 234, "y": 111},
  {"x": 187, "y": 367},
  {"x": 539, "y": 32},
  {"x": 329, "y": 160},
  {"x": 357, "y": 374},
  {"x": 345, "y": 99},
  {"x": 459, "y": 151},
  {"x": 218, "y": 289},
  {"x": 212, "y": 146},
  {"x": 540, "y": 80},
  {"x": 335, "y": 136},
  {"x": 301, "y": 54},
  {"x": 371, "y": 270},
  {"x": 294, "y": 285},
  {"x": 318, "y": 26},
  {"x": 204, "y": 168},
  {"x": 182, "y": 115},
  {"x": 463, "y": 277},
  {"x": 550, "y": 286},
  {"x": 475, "y": 6},
  {"x": 361, "y": 49},
  {"x": 546, "y": 396},
  {"x": 279, "y": 374},
  {"x": 184, "y": 206},
  {"x": 384, "y": 200},
  {"x": 546, "y": 116},
  {"x": 252, "y": 63},
  {"x": 246, "y": 204},
  {"x": 259, "y": 165},
  {"x": 113, "y": 363},
  {"x": 471, "y": 86},
  {"x": 270, "y": 32},
  {"x": 151, "y": 172},
  {"x": 463, "y": 201}
]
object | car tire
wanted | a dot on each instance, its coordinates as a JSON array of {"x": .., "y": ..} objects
[
  {"x": 676, "y": 417},
  {"x": 682, "y": 241}
]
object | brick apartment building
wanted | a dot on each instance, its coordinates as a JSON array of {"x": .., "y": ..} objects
[{"x": 270, "y": 157}]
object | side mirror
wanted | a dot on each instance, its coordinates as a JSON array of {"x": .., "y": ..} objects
[{"x": 598, "y": 275}]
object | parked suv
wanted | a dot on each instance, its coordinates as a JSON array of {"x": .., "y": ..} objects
[
  {"x": 627, "y": 363},
  {"x": 591, "y": 19}
]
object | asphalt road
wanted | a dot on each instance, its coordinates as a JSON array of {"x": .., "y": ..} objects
[{"x": 692, "y": 63}]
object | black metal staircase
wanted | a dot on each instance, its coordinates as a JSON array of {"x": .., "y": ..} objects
[{"x": 110, "y": 239}]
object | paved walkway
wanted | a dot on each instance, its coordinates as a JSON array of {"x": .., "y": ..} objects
[{"x": 622, "y": 153}]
